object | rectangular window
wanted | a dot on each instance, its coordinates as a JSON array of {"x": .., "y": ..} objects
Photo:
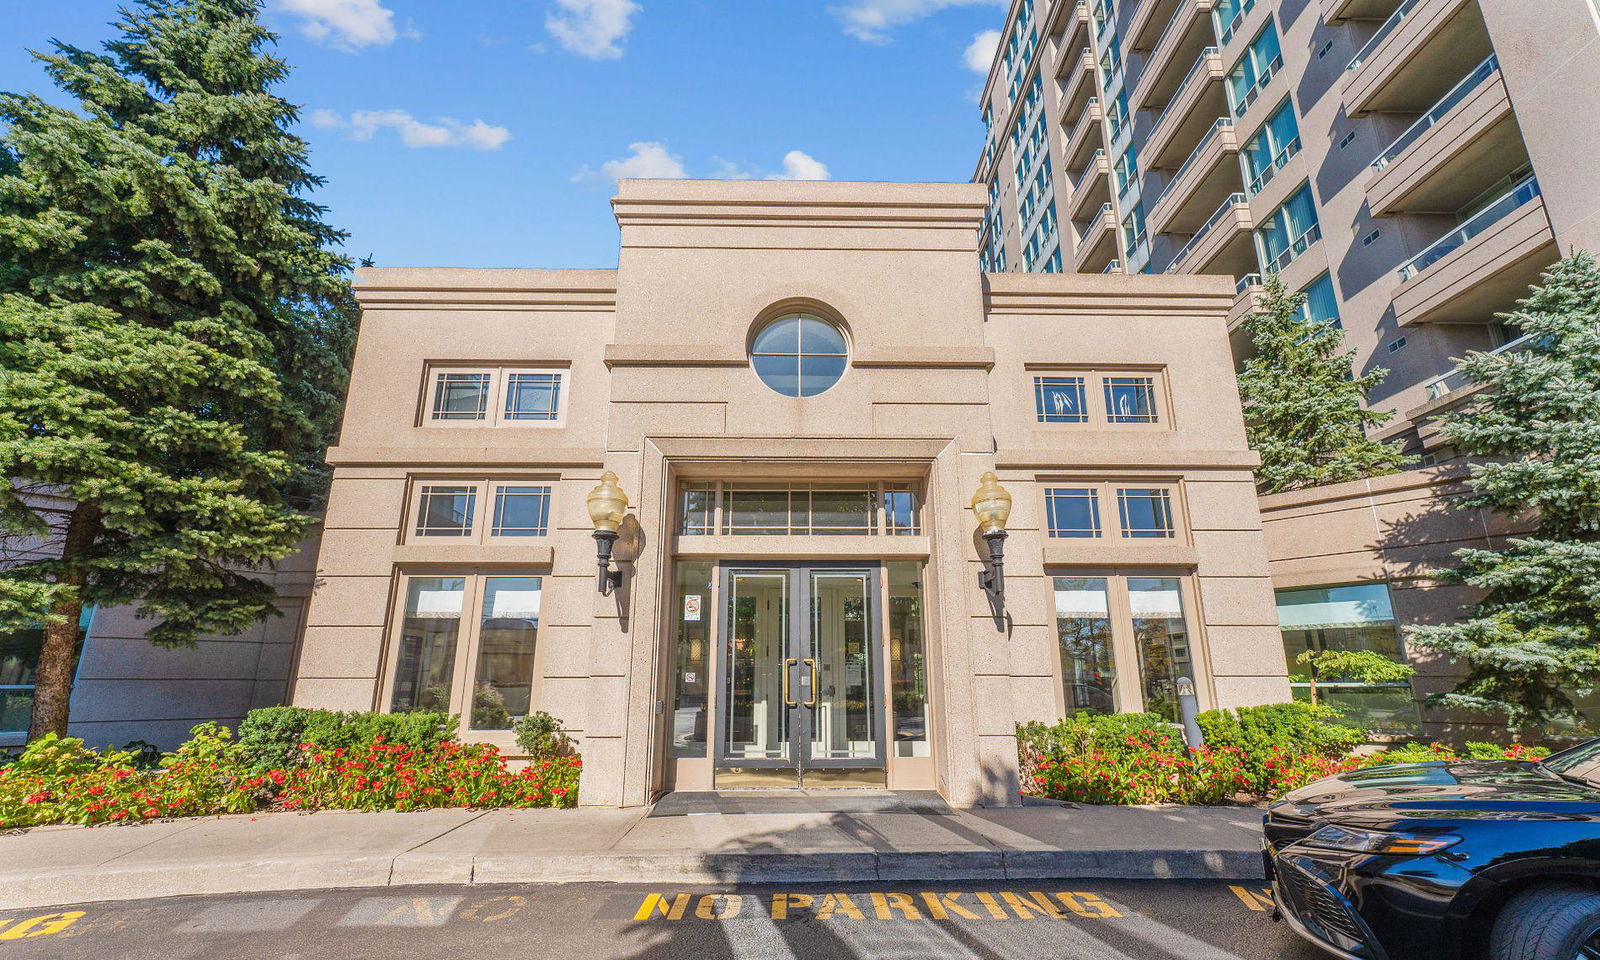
[
  {"x": 1087, "y": 647},
  {"x": 446, "y": 510},
  {"x": 699, "y": 508},
  {"x": 532, "y": 396},
  {"x": 425, "y": 662},
  {"x": 1072, "y": 512},
  {"x": 1322, "y": 303},
  {"x": 908, "y": 660},
  {"x": 1256, "y": 66},
  {"x": 502, "y": 686},
  {"x": 902, "y": 513},
  {"x": 461, "y": 396},
  {"x": 1353, "y": 617},
  {"x": 520, "y": 511},
  {"x": 1146, "y": 512},
  {"x": 739, "y": 508},
  {"x": 1161, "y": 632},
  {"x": 19, "y": 668},
  {"x": 1130, "y": 399},
  {"x": 1060, "y": 400},
  {"x": 1289, "y": 231},
  {"x": 1272, "y": 147}
]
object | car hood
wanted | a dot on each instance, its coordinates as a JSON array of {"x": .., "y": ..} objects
[{"x": 1504, "y": 790}]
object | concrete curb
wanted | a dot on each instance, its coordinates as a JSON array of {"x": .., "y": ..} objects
[{"x": 43, "y": 889}]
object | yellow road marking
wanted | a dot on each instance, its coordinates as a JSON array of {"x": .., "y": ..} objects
[
  {"x": 886, "y": 905},
  {"x": 43, "y": 925},
  {"x": 1258, "y": 900}
]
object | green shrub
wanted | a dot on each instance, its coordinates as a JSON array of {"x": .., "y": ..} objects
[
  {"x": 1268, "y": 735},
  {"x": 271, "y": 737},
  {"x": 540, "y": 736},
  {"x": 1123, "y": 759}
]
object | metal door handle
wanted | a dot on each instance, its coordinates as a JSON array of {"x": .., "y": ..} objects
[
  {"x": 786, "y": 665},
  {"x": 813, "y": 665}
]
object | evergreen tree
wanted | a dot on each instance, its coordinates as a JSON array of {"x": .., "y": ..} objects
[
  {"x": 1304, "y": 411},
  {"x": 174, "y": 333},
  {"x": 1533, "y": 642}
]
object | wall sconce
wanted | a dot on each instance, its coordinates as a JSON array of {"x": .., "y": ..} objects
[
  {"x": 992, "y": 504},
  {"x": 607, "y": 506}
]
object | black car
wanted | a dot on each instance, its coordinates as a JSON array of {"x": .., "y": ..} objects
[{"x": 1465, "y": 861}]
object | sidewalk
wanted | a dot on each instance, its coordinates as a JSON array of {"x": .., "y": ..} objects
[{"x": 59, "y": 865}]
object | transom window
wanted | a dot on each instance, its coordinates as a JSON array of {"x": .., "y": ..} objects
[
  {"x": 517, "y": 508},
  {"x": 740, "y": 508},
  {"x": 488, "y": 396},
  {"x": 799, "y": 355},
  {"x": 1073, "y": 511},
  {"x": 1121, "y": 399}
]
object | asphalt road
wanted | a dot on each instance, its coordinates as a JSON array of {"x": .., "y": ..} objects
[{"x": 1014, "y": 920}]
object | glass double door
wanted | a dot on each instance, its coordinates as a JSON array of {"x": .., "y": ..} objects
[{"x": 802, "y": 699}]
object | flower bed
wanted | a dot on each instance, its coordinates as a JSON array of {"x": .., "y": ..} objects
[{"x": 58, "y": 780}]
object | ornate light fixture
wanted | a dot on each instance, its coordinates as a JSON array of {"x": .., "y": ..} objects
[
  {"x": 992, "y": 505},
  {"x": 607, "y": 506}
]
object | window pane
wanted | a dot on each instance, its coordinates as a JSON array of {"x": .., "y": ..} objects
[
  {"x": 19, "y": 665},
  {"x": 901, "y": 510},
  {"x": 817, "y": 374},
  {"x": 1131, "y": 399},
  {"x": 780, "y": 336},
  {"x": 691, "y": 657},
  {"x": 908, "y": 668},
  {"x": 1162, "y": 637},
  {"x": 1083, "y": 632},
  {"x": 781, "y": 372},
  {"x": 502, "y": 689},
  {"x": 1060, "y": 399},
  {"x": 521, "y": 511},
  {"x": 699, "y": 505},
  {"x": 532, "y": 396},
  {"x": 461, "y": 396},
  {"x": 1354, "y": 617},
  {"x": 1146, "y": 513},
  {"x": 1321, "y": 302},
  {"x": 425, "y": 663},
  {"x": 818, "y": 337},
  {"x": 1072, "y": 512},
  {"x": 836, "y": 511},
  {"x": 756, "y": 510},
  {"x": 1390, "y": 709},
  {"x": 446, "y": 511}
]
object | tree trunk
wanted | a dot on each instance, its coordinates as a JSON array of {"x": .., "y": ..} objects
[{"x": 52, "y": 691}]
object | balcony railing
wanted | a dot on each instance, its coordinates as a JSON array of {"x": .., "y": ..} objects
[
  {"x": 1234, "y": 200},
  {"x": 1223, "y": 123},
  {"x": 1246, "y": 282},
  {"x": 1473, "y": 81},
  {"x": 1099, "y": 216},
  {"x": 1457, "y": 378},
  {"x": 1227, "y": 32},
  {"x": 1112, "y": 267},
  {"x": 1514, "y": 198},
  {"x": 1188, "y": 78},
  {"x": 1089, "y": 169},
  {"x": 1267, "y": 73},
  {"x": 1084, "y": 118},
  {"x": 1292, "y": 252},
  {"x": 1389, "y": 26},
  {"x": 1259, "y": 181},
  {"x": 1179, "y": 14}
]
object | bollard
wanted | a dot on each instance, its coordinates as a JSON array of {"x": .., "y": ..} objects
[{"x": 1188, "y": 709}]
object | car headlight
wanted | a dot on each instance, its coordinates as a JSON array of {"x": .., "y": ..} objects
[{"x": 1379, "y": 843}]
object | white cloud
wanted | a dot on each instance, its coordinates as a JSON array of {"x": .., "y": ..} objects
[
  {"x": 980, "y": 52},
  {"x": 801, "y": 166},
  {"x": 592, "y": 28},
  {"x": 350, "y": 24},
  {"x": 871, "y": 20},
  {"x": 363, "y": 125}
]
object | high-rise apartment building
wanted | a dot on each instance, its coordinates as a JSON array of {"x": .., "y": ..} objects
[{"x": 1410, "y": 165}]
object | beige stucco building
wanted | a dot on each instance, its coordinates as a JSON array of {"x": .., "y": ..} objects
[{"x": 799, "y": 388}]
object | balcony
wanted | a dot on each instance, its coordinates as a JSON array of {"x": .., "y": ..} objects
[
  {"x": 1416, "y": 57},
  {"x": 1084, "y": 137},
  {"x": 1223, "y": 244},
  {"x": 1077, "y": 84},
  {"x": 1199, "y": 100},
  {"x": 1095, "y": 246},
  {"x": 1246, "y": 295},
  {"x": 1091, "y": 187},
  {"x": 1338, "y": 11},
  {"x": 1455, "y": 152},
  {"x": 1456, "y": 383},
  {"x": 1075, "y": 26},
  {"x": 1206, "y": 179},
  {"x": 1144, "y": 28},
  {"x": 1186, "y": 35},
  {"x": 1483, "y": 266}
]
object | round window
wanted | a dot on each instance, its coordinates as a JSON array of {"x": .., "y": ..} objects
[{"x": 799, "y": 355}]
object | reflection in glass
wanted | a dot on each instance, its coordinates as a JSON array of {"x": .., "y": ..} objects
[
  {"x": 699, "y": 508},
  {"x": 1352, "y": 617},
  {"x": 502, "y": 688},
  {"x": 1162, "y": 636},
  {"x": 757, "y": 722},
  {"x": 1146, "y": 513},
  {"x": 691, "y": 659},
  {"x": 533, "y": 396},
  {"x": 1072, "y": 512},
  {"x": 446, "y": 511},
  {"x": 461, "y": 396},
  {"x": 908, "y": 668},
  {"x": 1059, "y": 399},
  {"x": 1083, "y": 632},
  {"x": 425, "y": 661},
  {"x": 901, "y": 510},
  {"x": 19, "y": 666},
  {"x": 520, "y": 511},
  {"x": 844, "y": 724},
  {"x": 799, "y": 356},
  {"x": 1131, "y": 399}
]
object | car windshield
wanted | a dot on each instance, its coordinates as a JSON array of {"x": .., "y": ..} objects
[{"x": 1579, "y": 763}]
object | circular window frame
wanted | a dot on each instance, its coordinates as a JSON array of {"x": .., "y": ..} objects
[{"x": 801, "y": 311}]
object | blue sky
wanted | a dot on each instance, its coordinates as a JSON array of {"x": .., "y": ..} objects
[{"x": 487, "y": 132}]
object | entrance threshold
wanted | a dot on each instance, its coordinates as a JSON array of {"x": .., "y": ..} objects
[{"x": 798, "y": 800}]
